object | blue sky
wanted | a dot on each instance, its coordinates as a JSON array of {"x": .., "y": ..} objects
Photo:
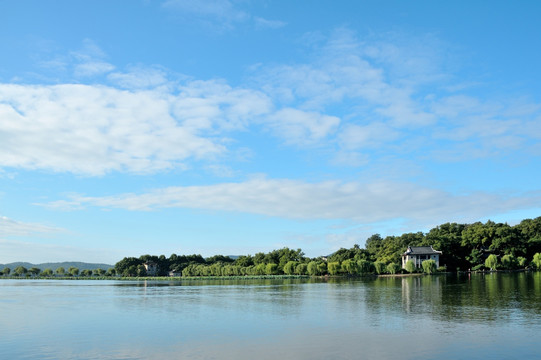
[{"x": 233, "y": 127}]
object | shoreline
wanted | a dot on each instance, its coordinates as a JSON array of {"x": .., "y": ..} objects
[{"x": 250, "y": 277}]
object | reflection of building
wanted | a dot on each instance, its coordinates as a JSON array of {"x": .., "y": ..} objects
[
  {"x": 418, "y": 254},
  {"x": 422, "y": 294},
  {"x": 151, "y": 268}
]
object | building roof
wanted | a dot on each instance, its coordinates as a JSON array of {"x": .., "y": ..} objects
[{"x": 421, "y": 250}]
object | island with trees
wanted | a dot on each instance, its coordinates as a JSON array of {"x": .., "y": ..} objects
[{"x": 479, "y": 246}]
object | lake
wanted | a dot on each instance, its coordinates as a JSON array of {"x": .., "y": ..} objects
[{"x": 458, "y": 316}]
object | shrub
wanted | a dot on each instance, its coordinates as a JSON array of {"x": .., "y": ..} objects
[
  {"x": 479, "y": 267},
  {"x": 312, "y": 268},
  {"x": 380, "y": 267},
  {"x": 442, "y": 269},
  {"x": 86, "y": 272},
  {"x": 271, "y": 269},
  {"x": 259, "y": 269},
  {"x": 350, "y": 266},
  {"x": 20, "y": 270},
  {"x": 289, "y": 267},
  {"x": 393, "y": 268},
  {"x": 410, "y": 266},
  {"x": 429, "y": 266},
  {"x": 333, "y": 267},
  {"x": 536, "y": 262},
  {"x": 364, "y": 266},
  {"x": 110, "y": 272},
  {"x": 47, "y": 272},
  {"x": 509, "y": 262},
  {"x": 301, "y": 269},
  {"x": 491, "y": 262},
  {"x": 322, "y": 268}
]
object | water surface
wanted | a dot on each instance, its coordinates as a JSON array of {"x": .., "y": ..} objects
[{"x": 495, "y": 316}]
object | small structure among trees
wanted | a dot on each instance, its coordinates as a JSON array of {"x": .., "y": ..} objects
[
  {"x": 418, "y": 254},
  {"x": 151, "y": 268}
]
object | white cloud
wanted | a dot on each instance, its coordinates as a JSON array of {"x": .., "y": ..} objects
[
  {"x": 93, "y": 130},
  {"x": 301, "y": 127},
  {"x": 230, "y": 108},
  {"x": 354, "y": 94},
  {"x": 372, "y": 135},
  {"x": 359, "y": 202},
  {"x": 9, "y": 227},
  {"x": 154, "y": 125}
]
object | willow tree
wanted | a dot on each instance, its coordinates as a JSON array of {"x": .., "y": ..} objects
[
  {"x": 410, "y": 266},
  {"x": 491, "y": 262},
  {"x": 429, "y": 266},
  {"x": 393, "y": 268},
  {"x": 333, "y": 267},
  {"x": 380, "y": 267},
  {"x": 47, "y": 272},
  {"x": 537, "y": 261},
  {"x": 289, "y": 267}
]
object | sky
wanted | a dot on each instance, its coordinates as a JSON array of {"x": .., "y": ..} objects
[{"x": 236, "y": 127}]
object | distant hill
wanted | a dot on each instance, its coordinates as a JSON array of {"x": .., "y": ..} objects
[{"x": 54, "y": 266}]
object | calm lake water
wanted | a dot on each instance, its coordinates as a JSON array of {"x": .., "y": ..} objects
[{"x": 493, "y": 316}]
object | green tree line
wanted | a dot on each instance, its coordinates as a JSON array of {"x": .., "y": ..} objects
[
  {"x": 474, "y": 246},
  {"x": 21, "y": 271}
]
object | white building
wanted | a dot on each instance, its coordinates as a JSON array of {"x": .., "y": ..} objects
[
  {"x": 151, "y": 268},
  {"x": 418, "y": 254}
]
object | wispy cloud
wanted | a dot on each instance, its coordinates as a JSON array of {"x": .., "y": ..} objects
[
  {"x": 220, "y": 9},
  {"x": 10, "y": 227},
  {"x": 302, "y": 127},
  {"x": 480, "y": 129},
  {"x": 394, "y": 93},
  {"x": 39, "y": 253},
  {"x": 271, "y": 24},
  {"x": 140, "y": 77},
  {"x": 221, "y": 14},
  {"x": 374, "y": 135},
  {"x": 359, "y": 202},
  {"x": 86, "y": 62}
]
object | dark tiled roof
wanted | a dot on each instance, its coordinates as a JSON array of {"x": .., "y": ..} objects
[{"x": 421, "y": 250}]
